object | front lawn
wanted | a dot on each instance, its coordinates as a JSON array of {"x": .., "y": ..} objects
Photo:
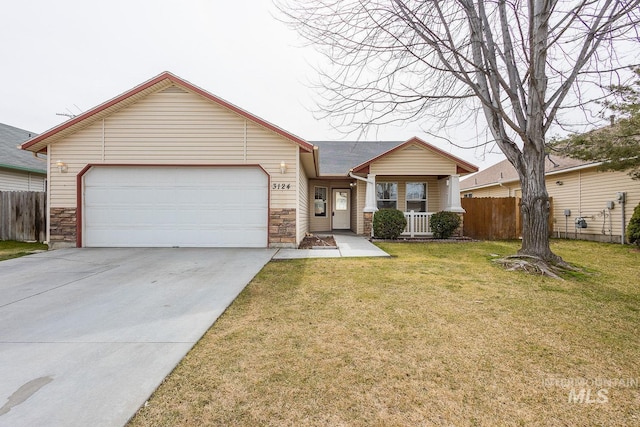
[
  {"x": 436, "y": 335},
  {"x": 12, "y": 249}
]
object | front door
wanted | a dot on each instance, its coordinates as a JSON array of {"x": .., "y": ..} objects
[{"x": 341, "y": 209}]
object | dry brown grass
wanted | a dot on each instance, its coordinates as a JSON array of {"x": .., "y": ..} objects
[{"x": 437, "y": 335}]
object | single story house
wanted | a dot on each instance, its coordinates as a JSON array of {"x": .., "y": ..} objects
[
  {"x": 169, "y": 164},
  {"x": 19, "y": 170},
  {"x": 588, "y": 204}
]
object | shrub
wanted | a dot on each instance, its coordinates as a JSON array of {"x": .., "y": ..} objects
[
  {"x": 633, "y": 230},
  {"x": 443, "y": 224},
  {"x": 388, "y": 223}
]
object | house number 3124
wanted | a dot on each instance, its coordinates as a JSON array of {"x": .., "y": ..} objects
[{"x": 278, "y": 186}]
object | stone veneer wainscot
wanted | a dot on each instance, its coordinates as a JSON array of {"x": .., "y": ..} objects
[{"x": 282, "y": 228}]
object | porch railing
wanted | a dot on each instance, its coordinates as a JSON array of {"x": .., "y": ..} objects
[{"x": 417, "y": 224}]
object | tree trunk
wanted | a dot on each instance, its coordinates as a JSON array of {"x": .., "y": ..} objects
[
  {"x": 535, "y": 208},
  {"x": 535, "y": 199}
]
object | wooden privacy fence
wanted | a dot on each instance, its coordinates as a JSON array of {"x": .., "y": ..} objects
[
  {"x": 495, "y": 218},
  {"x": 22, "y": 215}
]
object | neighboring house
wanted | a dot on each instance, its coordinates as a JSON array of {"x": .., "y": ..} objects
[
  {"x": 169, "y": 164},
  {"x": 578, "y": 189},
  {"x": 19, "y": 170}
]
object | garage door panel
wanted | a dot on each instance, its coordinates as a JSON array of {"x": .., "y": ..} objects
[
  {"x": 175, "y": 206},
  {"x": 173, "y": 237}
]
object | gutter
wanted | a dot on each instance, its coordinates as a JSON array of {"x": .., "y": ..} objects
[
  {"x": 359, "y": 177},
  {"x": 39, "y": 171}
]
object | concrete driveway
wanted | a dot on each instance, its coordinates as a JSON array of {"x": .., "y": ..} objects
[{"x": 86, "y": 335}]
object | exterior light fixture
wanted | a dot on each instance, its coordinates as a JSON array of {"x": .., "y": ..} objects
[
  {"x": 62, "y": 166},
  {"x": 559, "y": 182},
  {"x": 283, "y": 167}
]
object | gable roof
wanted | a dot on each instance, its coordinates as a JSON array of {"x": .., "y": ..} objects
[
  {"x": 462, "y": 166},
  {"x": 13, "y": 158},
  {"x": 40, "y": 142},
  {"x": 504, "y": 171}
]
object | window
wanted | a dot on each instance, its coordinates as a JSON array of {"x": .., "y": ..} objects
[
  {"x": 320, "y": 202},
  {"x": 416, "y": 196},
  {"x": 468, "y": 195},
  {"x": 387, "y": 195}
]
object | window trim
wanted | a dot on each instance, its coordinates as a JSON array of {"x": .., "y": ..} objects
[
  {"x": 378, "y": 200},
  {"x": 426, "y": 196},
  {"x": 322, "y": 214}
]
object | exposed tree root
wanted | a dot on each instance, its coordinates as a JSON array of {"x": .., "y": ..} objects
[{"x": 534, "y": 265}]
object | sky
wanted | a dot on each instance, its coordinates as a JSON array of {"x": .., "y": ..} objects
[{"x": 67, "y": 56}]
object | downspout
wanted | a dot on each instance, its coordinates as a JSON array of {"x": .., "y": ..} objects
[
  {"x": 358, "y": 177},
  {"x": 35, "y": 154},
  {"x": 48, "y": 208},
  {"x": 47, "y": 194}
]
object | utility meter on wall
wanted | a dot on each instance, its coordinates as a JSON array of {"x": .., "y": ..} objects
[
  {"x": 581, "y": 222},
  {"x": 621, "y": 197}
]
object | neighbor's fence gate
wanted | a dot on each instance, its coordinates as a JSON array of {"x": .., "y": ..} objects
[
  {"x": 495, "y": 218},
  {"x": 22, "y": 215}
]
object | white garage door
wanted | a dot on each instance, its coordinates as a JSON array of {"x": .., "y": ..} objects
[{"x": 175, "y": 206}]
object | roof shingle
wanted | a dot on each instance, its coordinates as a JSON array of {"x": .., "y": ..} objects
[
  {"x": 14, "y": 158},
  {"x": 338, "y": 157}
]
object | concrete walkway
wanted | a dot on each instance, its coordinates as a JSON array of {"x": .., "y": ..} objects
[{"x": 349, "y": 245}]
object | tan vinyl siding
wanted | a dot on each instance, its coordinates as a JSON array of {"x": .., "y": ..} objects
[
  {"x": 585, "y": 193},
  {"x": 173, "y": 126},
  {"x": 75, "y": 151},
  {"x": 564, "y": 197},
  {"x": 507, "y": 190},
  {"x": 303, "y": 205},
  {"x": 11, "y": 180},
  {"x": 269, "y": 150},
  {"x": 413, "y": 160}
]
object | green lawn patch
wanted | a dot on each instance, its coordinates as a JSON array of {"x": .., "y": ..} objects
[
  {"x": 12, "y": 249},
  {"x": 435, "y": 335}
]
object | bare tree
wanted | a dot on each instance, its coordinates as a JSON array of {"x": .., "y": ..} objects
[{"x": 519, "y": 62}]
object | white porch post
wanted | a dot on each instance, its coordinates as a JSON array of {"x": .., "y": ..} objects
[
  {"x": 370, "y": 204},
  {"x": 453, "y": 195}
]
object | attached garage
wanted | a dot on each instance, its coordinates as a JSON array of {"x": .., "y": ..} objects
[
  {"x": 168, "y": 164},
  {"x": 175, "y": 206}
]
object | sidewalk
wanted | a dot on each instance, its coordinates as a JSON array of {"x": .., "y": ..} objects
[{"x": 349, "y": 245}]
